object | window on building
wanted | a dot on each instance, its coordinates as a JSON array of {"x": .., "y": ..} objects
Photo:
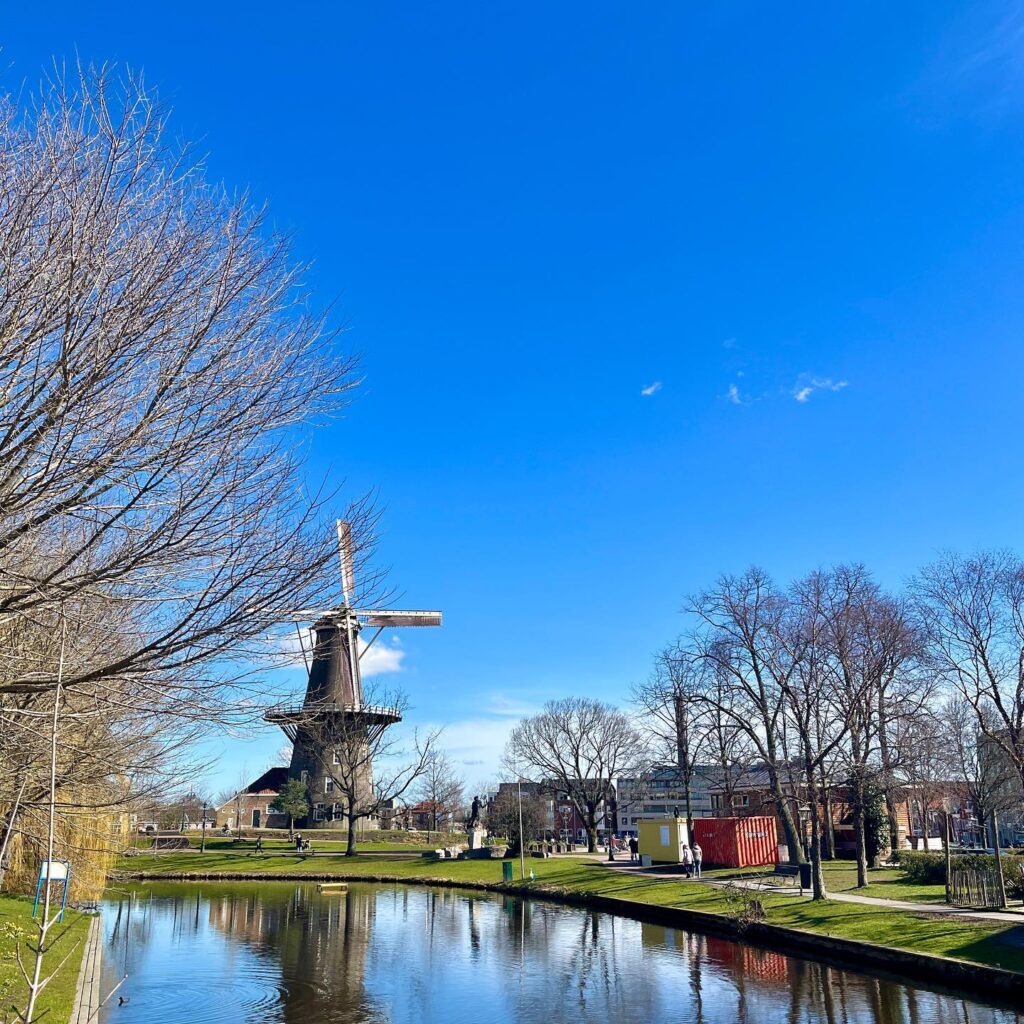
[
  {"x": 328, "y": 785},
  {"x": 318, "y": 812},
  {"x": 303, "y": 776},
  {"x": 336, "y": 758}
]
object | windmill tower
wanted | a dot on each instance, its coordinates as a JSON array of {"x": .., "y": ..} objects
[{"x": 333, "y": 705}]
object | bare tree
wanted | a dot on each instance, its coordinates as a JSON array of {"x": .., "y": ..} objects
[
  {"x": 441, "y": 788},
  {"x": 872, "y": 647},
  {"x": 157, "y": 353},
  {"x": 741, "y": 639},
  {"x": 813, "y": 710},
  {"x": 676, "y": 714},
  {"x": 366, "y": 762},
  {"x": 972, "y": 612},
  {"x": 503, "y": 818},
  {"x": 579, "y": 746}
]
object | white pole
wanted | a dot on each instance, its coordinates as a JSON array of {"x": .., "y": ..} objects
[
  {"x": 522, "y": 838},
  {"x": 36, "y": 986}
]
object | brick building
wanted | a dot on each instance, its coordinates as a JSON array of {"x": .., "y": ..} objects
[{"x": 250, "y": 808}]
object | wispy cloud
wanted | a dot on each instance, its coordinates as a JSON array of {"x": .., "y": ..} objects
[
  {"x": 735, "y": 396},
  {"x": 806, "y": 386},
  {"x": 651, "y": 389},
  {"x": 729, "y": 343},
  {"x": 478, "y": 742}
]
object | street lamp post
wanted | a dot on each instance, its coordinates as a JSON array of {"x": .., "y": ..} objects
[{"x": 522, "y": 838}]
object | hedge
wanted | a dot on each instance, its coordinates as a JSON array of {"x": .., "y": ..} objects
[{"x": 929, "y": 868}]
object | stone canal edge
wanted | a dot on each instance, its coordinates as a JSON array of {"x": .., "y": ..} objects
[
  {"x": 899, "y": 964},
  {"x": 87, "y": 994}
]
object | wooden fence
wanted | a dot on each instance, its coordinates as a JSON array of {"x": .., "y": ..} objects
[{"x": 974, "y": 887}]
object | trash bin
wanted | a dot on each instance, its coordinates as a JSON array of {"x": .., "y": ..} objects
[
  {"x": 805, "y": 876},
  {"x": 506, "y": 871}
]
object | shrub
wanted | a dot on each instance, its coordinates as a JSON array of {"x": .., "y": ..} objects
[
  {"x": 929, "y": 868},
  {"x": 923, "y": 868},
  {"x": 1014, "y": 878}
]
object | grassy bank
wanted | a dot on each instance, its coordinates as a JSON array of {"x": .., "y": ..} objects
[
  {"x": 985, "y": 943},
  {"x": 16, "y": 925},
  {"x": 322, "y": 841}
]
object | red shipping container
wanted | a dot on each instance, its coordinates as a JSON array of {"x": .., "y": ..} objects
[{"x": 737, "y": 842}]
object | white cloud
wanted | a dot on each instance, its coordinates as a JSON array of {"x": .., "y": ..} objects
[
  {"x": 729, "y": 343},
  {"x": 805, "y": 387},
  {"x": 651, "y": 389},
  {"x": 382, "y": 658}
]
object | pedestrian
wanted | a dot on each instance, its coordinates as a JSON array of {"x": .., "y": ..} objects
[
  {"x": 698, "y": 856},
  {"x": 298, "y": 842},
  {"x": 634, "y": 848},
  {"x": 687, "y": 861}
]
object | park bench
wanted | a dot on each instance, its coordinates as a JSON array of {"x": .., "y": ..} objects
[{"x": 777, "y": 876}]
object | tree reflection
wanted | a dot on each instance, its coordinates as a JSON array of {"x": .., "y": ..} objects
[{"x": 372, "y": 954}]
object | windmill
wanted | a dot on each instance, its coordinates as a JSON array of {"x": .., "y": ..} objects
[{"x": 334, "y": 704}]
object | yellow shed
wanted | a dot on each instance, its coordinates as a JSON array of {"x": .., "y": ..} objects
[{"x": 663, "y": 840}]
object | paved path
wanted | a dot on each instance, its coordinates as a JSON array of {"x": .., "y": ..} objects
[
  {"x": 87, "y": 997},
  {"x": 1015, "y": 917}
]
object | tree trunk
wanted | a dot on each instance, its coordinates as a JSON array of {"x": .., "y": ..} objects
[
  {"x": 829, "y": 826},
  {"x": 350, "y": 847},
  {"x": 894, "y": 822},
  {"x": 817, "y": 875},
  {"x": 887, "y": 773},
  {"x": 999, "y": 860},
  {"x": 785, "y": 813},
  {"x": 291, "y": 826},
  {"x": 592, "y": 829},
  {"x": 949, "y": 857},
  {"x": 860, "y": 829}
]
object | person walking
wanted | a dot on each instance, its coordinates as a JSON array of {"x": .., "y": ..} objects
[
  {"x": 687, "y": 861},
  {"x": 634, "y": 848},
  {"x": 698, "y": 856}
]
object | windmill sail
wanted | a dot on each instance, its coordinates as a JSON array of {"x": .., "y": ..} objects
[{"x": 348, "y": 579}]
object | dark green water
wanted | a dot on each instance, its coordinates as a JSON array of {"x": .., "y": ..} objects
[{"x": 277, "y": 952}]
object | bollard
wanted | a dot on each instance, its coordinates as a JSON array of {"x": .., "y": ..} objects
[{"x": 506, "y": 871}]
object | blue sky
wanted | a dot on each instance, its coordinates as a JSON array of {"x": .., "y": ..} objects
[{"x": 800, "y": 230}]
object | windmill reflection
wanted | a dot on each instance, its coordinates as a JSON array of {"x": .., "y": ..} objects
[{"x": 283, "y": 953}]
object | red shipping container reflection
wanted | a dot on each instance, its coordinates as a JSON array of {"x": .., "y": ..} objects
[{"x": 737, "y": 842}]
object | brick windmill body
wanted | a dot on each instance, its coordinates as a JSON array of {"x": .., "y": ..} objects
[{"x": 333, "y": 706}]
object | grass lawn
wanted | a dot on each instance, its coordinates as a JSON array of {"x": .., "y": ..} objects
[
  {"x": 981, "y": 942},
  {"x": 841, "y": 876},
  {"x": 16, "y": 925}
]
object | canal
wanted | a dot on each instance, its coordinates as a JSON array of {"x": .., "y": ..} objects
[{"x": 375, "y": 954}]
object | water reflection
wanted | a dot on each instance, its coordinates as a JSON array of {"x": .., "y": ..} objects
[{"x": 277, "y": 952}]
